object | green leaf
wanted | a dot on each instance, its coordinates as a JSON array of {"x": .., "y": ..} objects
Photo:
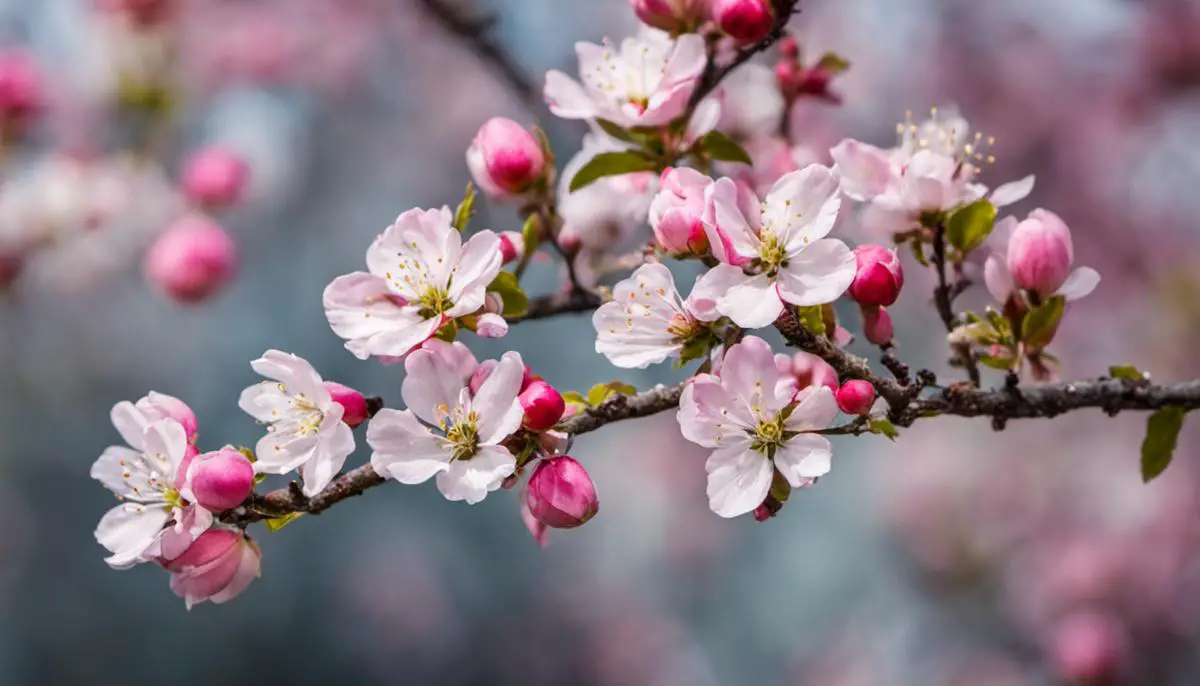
[
  {"x": 612, "y": 164},
  {"x": 1040, "y": 324},
  {"x": 576, "y": 399},
  {"x": 1001, "y": 362},
  {"x": 696, "y": 348},
  {"x": 969, "y": 226},
  {"x": 724, "y": 148},
  {"x": 918, "y": 251},
  {"x": 601, "y": 392},
  {"x": 466, "y": 208},
  {"x": 884, "y": 427},
  {"x": 516, "y": 302},
  {"x": 1126, "y": 371},
  {"x": 614, "y": 130},
  {"x": 276, "y": 523},
  {"x": 531, "y": 233},
  {"x": 259, "y": 478},
  {"x": 833, "y": 62},
  {"x": 1162, "y": 432},
  {"x": 248, "y": 454},
  {"x": 812, "y": 319}
]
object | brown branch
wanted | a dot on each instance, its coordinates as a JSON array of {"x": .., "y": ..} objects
[
  {"x": 565, "y": 302},
  {"x": 943, "y": 300},
  {"x": 712, "y": 76}
]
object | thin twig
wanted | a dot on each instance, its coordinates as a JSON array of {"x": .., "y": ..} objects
[{"x": 943, "y": 300}]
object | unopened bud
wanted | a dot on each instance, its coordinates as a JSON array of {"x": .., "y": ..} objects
[
  {"x": 1040, "y": 253},
  {"x": 354, "y": 404},
  {"x": 216, "y": 567},
  {"x": 856, "y": 397},
  {"x": 561, "y": 493},
  {"x": 746, "y": 21},
  {"x": 543, "y": 405},
  {"x": 505, "y": 159},
  {"x": 877, "y": 325},
  {"x": 192, "y": 259},
  {"x": 672, "y": 16},
  {"x": 220, "y": 480},
  {"x": 789, "y": 47},
  {"x": 215, "y": 177},
  {"x": 676, "y": 214},
  {"x": 21, "y": 95},
  {"x": 878, "y": 277},
  {"x": 512, "y": 246},
  {"x": 491, "y": 325}
]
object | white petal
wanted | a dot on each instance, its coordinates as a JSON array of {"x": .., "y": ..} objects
[
  {"x": 566, "y": 98},
  {"x": 1012, "y": 192},
  {"x": 336, "y": 444},
  {"x": 430, "y": 385},
  {"x": 128, "y": 529},
  {"x": 750, "y": 374},
  {"x": 816, "y": 410},
  {"x": 1081, "y": 282},
  {"x": 738, "y": 479},
  {"x": 359, "y": 309},
  {"x": 131, "y": 423},
  {"x": 997, "y": 278},
  {"x": 112, "y": 467},
  {"x": 478, "y": 263},
  {"x": 472, "y": 479},
  {"x": 280, "y": 452},
  {"x": 165, "y": 442},
  {"x": 802, "y": 206},
  {"x": 803, "y": 457},
  {"x": 750, "y": 301},
  {"x": 819, "y": 274},
  {"x": 500, "y": 412},
  {"x": 295, "y": 373},
  {"x": 730, "y": 232},
  {"x": 404, "y": 449},
  {"x": 709, "y": 415},
  {"x": 865, "y": 170}
]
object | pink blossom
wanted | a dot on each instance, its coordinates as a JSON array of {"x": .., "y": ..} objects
[
  {"x": 220, "y": 480},
  {"x": 505, "y": 159},
  {"x": 677, "y": 211},
  {"x": 216, "y": 568},
  {"x": 155, "y": 406},
  {"x": 1038, "y": 258},
  {"x": 776, "y": 251},
  {"x": 561, "y": 494},
  {"x": 645, "y": 81},
  {"x": 422, "y": 275},
  {"x": 879, "y": 277},
  {"x": 808, "y": 370},
  {"x": 192, "y": 259},
  {"x": 215, "y": 177},
  {"x": 741, "y": 414}
]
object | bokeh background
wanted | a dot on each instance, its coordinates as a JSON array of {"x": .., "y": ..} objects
[{"x": 955, "y": 556}]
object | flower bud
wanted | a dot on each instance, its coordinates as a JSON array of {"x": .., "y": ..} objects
[
  {"x": 879, "y": 277},
  {"x": 354, "y": 405},
  {"x": 214, "y": 177},
  {"x": 216, "y": 567},
  {"x": 746, "y": 21},
  {"x": 192, "y": 259},
  {"x": 676, "y": 214},
  {"x": 505, "y": 158},
  {"x": 856, "y": 397},
  {"x": 491, "y": 325},
  {"x": 20, "y": 91},
  {"x": 561, "y": 494},
  {"x": 1088, "y": 647},
  {"x": 220, "y": 480},
  {"x": 1040, "y": 253},
  {"x": 544, "y": 406},
  {"x": 811, "y": 370},
  {"x": 672, "y": 16},
  {"x": 877, "y": 325},
  {"x": 512, "y": 246},
  {"x": 789, "y": 47}
]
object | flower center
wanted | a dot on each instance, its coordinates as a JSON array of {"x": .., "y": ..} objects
[
  {"x": 434, "y": 301},
  {"x": 682, "y": 328},
  {"x": 771, "y": 253},
  {"x": 462, "y": 430},
  {"x": 172, "y": 498},
  {"x": 769, "y": 435}
]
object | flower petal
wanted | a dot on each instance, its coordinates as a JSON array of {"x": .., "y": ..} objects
[
  {"x": 128, "y": 529},
  {"x": 803, "y": 457},
  {"x": 750, "y": 301},
  {"x": 1012, "y": 192},
  {"x": 431, "y": 385},
  {"x": 738, "y": 479},
  {"x": 566, "y": 97},
  {"x": 472, "y": 479},
  {"x": 816, "y": 410},
  {"x": 819, "y": 274},
  {"x": 405, "y": 449},
  {"x": 1081, "y": 282},
  {"x": 500, "y": 412},
  {"x": 295, "y": 373}
]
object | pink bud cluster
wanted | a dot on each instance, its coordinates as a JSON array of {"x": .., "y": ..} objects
[{"x": 877, "y": 282}]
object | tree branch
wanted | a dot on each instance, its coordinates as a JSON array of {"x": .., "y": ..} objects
[
  {"x": 564, "y": 302},
  {"x": 712, "y": 76},
  {"x": 943, "y": 299}
]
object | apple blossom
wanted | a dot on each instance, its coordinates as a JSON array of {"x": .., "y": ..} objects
[
  {"x": 776, "y": 251},
  {"x": 220, "y": 480},
  {"x": 879, "y": 276},
  {"x": 560, "y": 493},
  {"x": 746, "y": 21},
  {"x": 856, "y": 397},
  {"x": 543, "y": 406},
  {"x": 305, "y": 430},
  {"x": 645, "y": 81},
  {"x": 466, "y": 453},
  {"x": 672, "y": 16},
  {"x": 217, "y": 567},
  {"x": 421, "y": 277},
  {"x": 1036, "y": 255},
  {"x": 215, "y": 177},
  {"x": 143, "y": 474},
  {"x": 748, "y": 415},
  {"x": 192, "y": 259},
  {"x": 505, "y": 159},
  {"x": 354, "y": 405},
  {"x": 677, "y": 211}
]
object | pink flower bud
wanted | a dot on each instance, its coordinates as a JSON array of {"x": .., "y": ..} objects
[
  {"x": 762, "y": 513},
  {"x": 217, "y": 567},
  {"x": 10, "y": 269},
  {"x": 505, "y": 158},
  {"x": 811, "y": 370},
  {"x": 20, "y": 90},
  {"x": 879, "y": 277},
  {"x": 1088, "y": 647},
  {"x": 192, "y": 259},
  {"x": 512, "y": 246},
  {"x": 672, "y": 16},
  {"x": 856, "y": 397},
  {"x": 789, "y": 47},
  {"x": 220, "y": 480},
  {"x": 490, "y": 325},
  {"x": 543, "y": 405},
  {"x": 354, "y": 405},
  {"x": 561, "y": 494},
  {"x": 676, "y": 214},
  {"x": 214, "y": 177},
  {"x": 746, "y": 21},
  {"x": 877, "y": 325},
  {"x": 1040, "y": 253}
]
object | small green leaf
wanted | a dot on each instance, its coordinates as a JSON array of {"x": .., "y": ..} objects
[
  {"x": 970, "y": 225},
  {"x": 276, "y": 523},
  {"x": 516, "y": 302},
  {"x": 259, "y": 478},
  {"x": 1162, "y": 432},
  {"x": 248, "y": 454},
  {"x": 466, "y": 208},
  {"x": 576, "y": 399},
  {"x": 531, "y": 233},
  {"x": 833, "y": 62},
  {"x": 722, "y": 147},
  {"x": 614, "y": 130},
  {"x": 884, "y": 427},
  {"x": 1040, "y": 324},
  {"x": 612, "y": 164},
  {"x": 696, "y": 348},
  {"x": 448, "y": 332},
  {"x": 1001, "y": 362},
  {"x": 811, "y": 318},
  {"x": 1125, "y": 371},
  {"x": 601, "y": 392},
  {"x": 918, "y": 251}
]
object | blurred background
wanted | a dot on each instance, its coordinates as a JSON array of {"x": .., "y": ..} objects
[{"x": 955, "y": 556}]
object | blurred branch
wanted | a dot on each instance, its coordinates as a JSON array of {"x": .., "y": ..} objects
[
  {"x": 560, "y": 303},
  {"x": 475, "y": 32},
  {"x": 712, "y": 76}
]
